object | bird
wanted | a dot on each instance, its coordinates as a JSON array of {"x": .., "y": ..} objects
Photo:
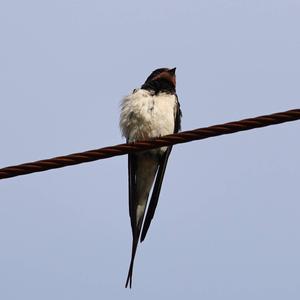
[{"x": 151, "y": 111}]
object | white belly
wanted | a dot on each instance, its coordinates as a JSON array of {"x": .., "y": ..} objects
[{"x": 144, "y": 115}]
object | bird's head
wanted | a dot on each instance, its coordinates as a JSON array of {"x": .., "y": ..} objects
[{"x": 162, "y": 79}]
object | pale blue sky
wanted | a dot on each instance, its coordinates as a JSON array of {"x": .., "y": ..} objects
[{"x": 227, "y": 225}]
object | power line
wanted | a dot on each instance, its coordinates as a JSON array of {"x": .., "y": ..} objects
[{"x": 172, "y": 139}]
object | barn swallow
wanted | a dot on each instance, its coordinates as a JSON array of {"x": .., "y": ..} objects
[{"x": 150, "y": 111}]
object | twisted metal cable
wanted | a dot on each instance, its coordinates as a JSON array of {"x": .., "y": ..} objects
[{"x": 172, "y": 139}]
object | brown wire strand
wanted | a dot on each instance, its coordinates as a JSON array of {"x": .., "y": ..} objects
[{"x": 178, "y": 138}]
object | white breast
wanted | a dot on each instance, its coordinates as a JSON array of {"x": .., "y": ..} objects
[{"x": 145, "y": 115}]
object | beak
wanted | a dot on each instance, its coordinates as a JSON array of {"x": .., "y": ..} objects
[{"x": 172, "y": 71}]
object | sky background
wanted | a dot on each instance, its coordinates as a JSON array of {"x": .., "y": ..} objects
[{"x": 227, "y": 224}]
